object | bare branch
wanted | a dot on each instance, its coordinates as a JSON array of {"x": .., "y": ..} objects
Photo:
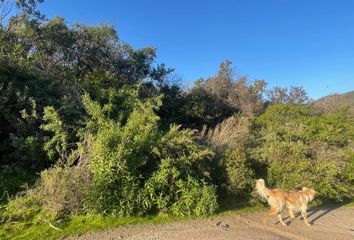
[{"x": 5, "y": 8}]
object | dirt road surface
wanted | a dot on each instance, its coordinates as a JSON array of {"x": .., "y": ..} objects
[{"x": 328, "y": 224}]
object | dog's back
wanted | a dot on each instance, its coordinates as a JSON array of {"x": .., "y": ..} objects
[
  {"x": 299, "y": 200},
  {"x": 276, "y": 198}
]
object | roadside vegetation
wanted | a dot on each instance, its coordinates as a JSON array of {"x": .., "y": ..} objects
[{"x": 97, "y": 134}]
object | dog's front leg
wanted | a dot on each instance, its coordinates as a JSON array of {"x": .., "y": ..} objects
[
  {"x": 304, "y": 215},
  {"x": 281, "y": 219},
  {"x": 291, "y": 213}
]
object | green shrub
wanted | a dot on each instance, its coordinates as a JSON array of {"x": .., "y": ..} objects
[
  {"x": 135, "y": 167},
  {"x": 116, "y": 150},
  {"x": 169, "y": 191},
  {"x": 56, "y": 146},
  {"x": 195, "y": 198},
  {"x": 21, "y": 208},
  {"x": 349, "y": 173},
  {"x": 181, "y": 176},
  {"x": 240, "y": 175},
  {"x": 301, "y": 148},
  {"x": 121, "y": 197}
]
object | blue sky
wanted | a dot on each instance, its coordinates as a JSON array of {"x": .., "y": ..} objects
[{"x": 307, "y": 43}]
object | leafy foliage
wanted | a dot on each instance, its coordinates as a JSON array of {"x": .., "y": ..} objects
[
  {"x": 183, "y": 166},
  {"x": 303, "y": 149},
  {"x": 133, "y": 167},
  {"x": 109, "y": 135},
  {"x": 115, "y": 152},
  {"x": 195, "y": 198},
  {"x": 58, "y": 143},
  {"x": 240, "y": 175}
]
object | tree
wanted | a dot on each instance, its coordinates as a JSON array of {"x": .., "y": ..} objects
[
  {"x": 241, "y": 94},
  {"x": 46, "y": 62},
  {"x": 24, "y": 7},
  {"x": 87, "y": 56},
  {"x": 292, "y": 96},
  {"x": 247, "y": 97},
  {"x": 221, "y": 84},
  {"x": 202, "y": 107}
]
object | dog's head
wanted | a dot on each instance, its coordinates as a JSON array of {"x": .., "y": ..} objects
[
  {"x": 310, "y": 192},
  {"x": 260, "y": 184},
  {"x": 260, "y": 181},
  {"x": 261, "y": 189}
]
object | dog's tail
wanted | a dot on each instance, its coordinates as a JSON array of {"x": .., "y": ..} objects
[{"x": 262, "y": 190}]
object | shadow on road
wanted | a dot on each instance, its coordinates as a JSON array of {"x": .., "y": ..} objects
[
  {"x": 324, "y": 211},
  {"x": 318, "y": 212}
]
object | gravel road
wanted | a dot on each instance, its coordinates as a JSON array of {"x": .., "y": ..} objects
[{"x": 328, "y": 224}]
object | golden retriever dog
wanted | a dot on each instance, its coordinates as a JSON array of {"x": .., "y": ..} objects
[{"x": 278, "y": 199}]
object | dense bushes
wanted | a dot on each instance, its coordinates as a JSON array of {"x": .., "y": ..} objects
[
  {"x": 196, "y": 198},
  {"x": 108, "y": 134},
  {"x": 232, "y": 141},
  {"x": 184, "y": 168},
  {"x": 125, "y": 166},
  {"x": 301, "y": 148},
  {"x": 240, "y": 175}
]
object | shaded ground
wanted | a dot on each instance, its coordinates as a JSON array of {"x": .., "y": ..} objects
[{"x": 328, "y": 223}]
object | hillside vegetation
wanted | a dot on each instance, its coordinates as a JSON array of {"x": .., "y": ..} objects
[
  {"x": 92, "y": 126},
  {"x": 335, "y": 101}
]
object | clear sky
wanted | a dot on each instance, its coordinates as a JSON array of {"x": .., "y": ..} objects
[{"x": 307, "y": 43}]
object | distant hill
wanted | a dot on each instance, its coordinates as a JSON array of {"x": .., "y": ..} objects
[{"x": 334, "y": 101}]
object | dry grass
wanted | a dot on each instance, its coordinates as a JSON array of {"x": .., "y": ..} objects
[
  {"x": 231, "y": 132},
  {"x": 62, "y": 190}
]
